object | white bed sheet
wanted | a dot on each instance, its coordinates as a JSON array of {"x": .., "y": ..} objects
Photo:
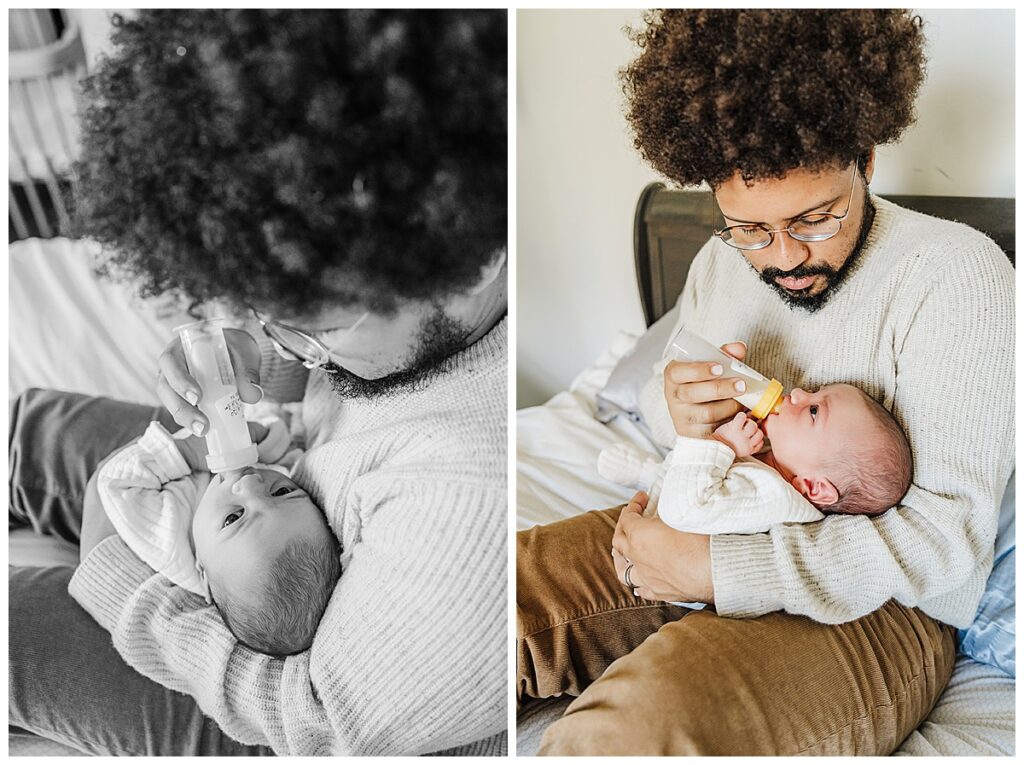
[
  {"x": 556, "y": 477},
  {"x": 557, "y": 446},
  {"x": 70, "y": 330}
]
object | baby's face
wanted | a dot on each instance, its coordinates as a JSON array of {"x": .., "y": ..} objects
[
  {"x": 813, "y": 429},
  {"x": 246, "y": 518}
]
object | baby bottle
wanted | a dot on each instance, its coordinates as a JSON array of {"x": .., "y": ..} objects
[
  {"x": 762, "y": 396},
  {"x": 228, "y": 441}
]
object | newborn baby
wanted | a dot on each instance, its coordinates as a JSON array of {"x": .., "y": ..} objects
[
  {"x": 833, "y": 451},
  {"x": 250, "y": 541}
]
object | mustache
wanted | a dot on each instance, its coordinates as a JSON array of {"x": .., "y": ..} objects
[{"x": 771, "y": 273}]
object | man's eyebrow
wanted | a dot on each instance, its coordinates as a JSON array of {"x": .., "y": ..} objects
[{"x": 795, "y": 217}]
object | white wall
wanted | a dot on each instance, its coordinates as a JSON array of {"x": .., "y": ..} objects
[{"x": 578, "y": 176}]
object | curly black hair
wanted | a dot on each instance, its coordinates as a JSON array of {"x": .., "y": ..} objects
[
  {"x": 763, "y": 92},
  {"x": 295, "y": 159}
]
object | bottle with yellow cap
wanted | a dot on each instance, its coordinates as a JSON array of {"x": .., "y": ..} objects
[{"x": 762, "y": 396}]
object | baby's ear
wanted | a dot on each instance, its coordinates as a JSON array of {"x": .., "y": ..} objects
[{"x": 820, "y": 492}]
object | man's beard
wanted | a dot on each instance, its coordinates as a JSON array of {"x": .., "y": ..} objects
[
  {"x": 834, "y": 276},
  {"x": 438, "y": 339}
]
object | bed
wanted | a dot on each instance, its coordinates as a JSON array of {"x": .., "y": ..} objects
[{"x": 557, "y": 445}]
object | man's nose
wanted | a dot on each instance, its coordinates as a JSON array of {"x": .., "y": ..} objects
[{"x": 791, "y": 253}]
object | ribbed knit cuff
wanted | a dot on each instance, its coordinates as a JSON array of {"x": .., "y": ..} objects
[
  {"x": 108, "y": 577},
  {"x": 746, "y": 580}
]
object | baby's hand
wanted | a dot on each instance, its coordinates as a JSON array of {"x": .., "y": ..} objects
[
  {"x": 272, "y": 438},
  {"x": 741, "y": 434}
]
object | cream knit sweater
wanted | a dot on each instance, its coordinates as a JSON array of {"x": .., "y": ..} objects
[
  {"x": 410, "y": 656},
  {"x": 925, "y": 324}
]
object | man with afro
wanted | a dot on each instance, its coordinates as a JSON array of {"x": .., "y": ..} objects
[
  {"x": 339, "y": 178},
  {"x": 835, "y": 637}
]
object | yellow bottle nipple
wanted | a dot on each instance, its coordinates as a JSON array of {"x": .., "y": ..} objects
[{"x": 770, "y": 401}]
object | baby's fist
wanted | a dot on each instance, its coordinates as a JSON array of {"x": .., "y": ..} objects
[{"x": 741, "y": 434}]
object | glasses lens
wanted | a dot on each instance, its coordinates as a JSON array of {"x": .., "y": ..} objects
[
  {"x": 297, "y": 345},
  {"x": 747, "y": 237},
  {"x": 815, "y": 228}
]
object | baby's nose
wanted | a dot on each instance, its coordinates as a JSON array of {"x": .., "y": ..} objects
[
  {"x": 249, "y": 483},
  {"x": 797, "y": 396}
]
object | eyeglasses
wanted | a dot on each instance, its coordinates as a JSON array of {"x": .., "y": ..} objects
[
  {"x": 810, "y": 228},
  {"x": 298, "y": 345}
]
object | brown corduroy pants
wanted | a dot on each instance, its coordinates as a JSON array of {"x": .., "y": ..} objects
[{"x": 654, "y": 679}]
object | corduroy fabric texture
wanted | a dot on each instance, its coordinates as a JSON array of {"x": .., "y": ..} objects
[{"x": 653, "y": 679}]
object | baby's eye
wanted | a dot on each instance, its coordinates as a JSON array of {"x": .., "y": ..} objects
[
  {"x": 280, "y": 491},
  {"x": 813, "y": 410},
  {"x": 231, "y": 518}
]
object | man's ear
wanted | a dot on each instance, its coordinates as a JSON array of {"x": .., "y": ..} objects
[
  {"x": 821, "y": 492},
  {"x": 869, "y": 169},
  {"x": 489, "y": 272}
]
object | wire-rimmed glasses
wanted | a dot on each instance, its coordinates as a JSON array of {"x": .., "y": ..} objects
[
  {"x": 298, "y": 345},
  {"x": 816, "y": 227}
]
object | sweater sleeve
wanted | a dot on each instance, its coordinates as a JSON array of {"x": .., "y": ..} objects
[
  {"x": 428, "y": 574},
  {"x": 707, "y": 491},
  {"x": 954, "y": 398}
]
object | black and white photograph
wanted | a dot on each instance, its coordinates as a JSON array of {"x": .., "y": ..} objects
[{"x": 258, "y": 382}]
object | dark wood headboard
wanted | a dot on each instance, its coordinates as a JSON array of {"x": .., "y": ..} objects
[{"x": 671, "y": 226}]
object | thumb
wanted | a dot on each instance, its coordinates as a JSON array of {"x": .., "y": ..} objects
[
  {"x": 257, "y": 431},
  {"x": 245, "y": 358},
  {"x": 738, "y": 349}
]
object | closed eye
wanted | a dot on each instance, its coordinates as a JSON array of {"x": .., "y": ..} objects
[{"x": 814, "y": 220}]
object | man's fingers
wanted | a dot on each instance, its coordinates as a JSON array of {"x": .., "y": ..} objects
[
  {"x": 704, "y": 391},
  {"x": 708, "y": 413},
  {"x": 680, "y": 372},
  {"x": 738, "y": 349},
  {"x": 245, "y": 359},
  {"x": 174, "y": 371},
  {"x": 183, "y": 412}
]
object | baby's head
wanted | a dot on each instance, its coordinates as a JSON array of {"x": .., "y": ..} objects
[
  {"x": 845, "y": 452},
  {"x": 269, "y": 558}
]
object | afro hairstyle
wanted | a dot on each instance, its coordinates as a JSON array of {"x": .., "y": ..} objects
[{"x": 296, "y": 159}]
